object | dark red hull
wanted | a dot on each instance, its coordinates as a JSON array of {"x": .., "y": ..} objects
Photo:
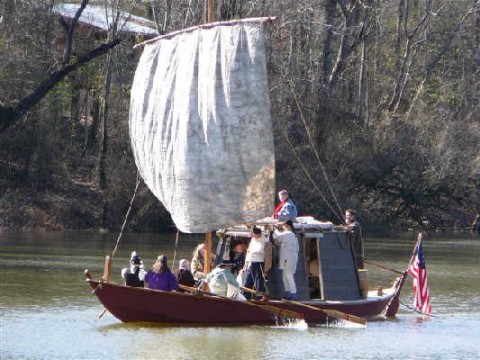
[{"x": 130, "y": 304}]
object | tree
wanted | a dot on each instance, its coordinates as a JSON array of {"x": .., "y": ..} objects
[{"x": 11, "y": 114}]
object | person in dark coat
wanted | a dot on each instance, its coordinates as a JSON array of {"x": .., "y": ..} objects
[
  {"x": 135, "y": 275},
  {"x": 354, "y": 226},
  {"x": 184, "y": 275}
]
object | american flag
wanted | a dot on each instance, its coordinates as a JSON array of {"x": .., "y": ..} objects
[{"x": 420, "y": 284}]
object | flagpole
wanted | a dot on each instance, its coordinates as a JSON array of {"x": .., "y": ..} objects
[
  {"x": 418, "y": 270},
  {"x": 415, "y": 250},
  {"x": 394, "y": 303}
]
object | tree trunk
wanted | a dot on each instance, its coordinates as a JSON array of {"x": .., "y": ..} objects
[
  {"x": 102, "y": 163},
  {"x": 362, "y": 112},
  {"x": 330, "y": 6},
  {"x": 399, "y": 37},
  {"x": 168, "y": 16},
  {"x": 476, "y": 6}
]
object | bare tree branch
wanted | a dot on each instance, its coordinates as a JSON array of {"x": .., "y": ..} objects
[
  {"x": 11, "y": 114},
  {"x": 71, "y": 29}
]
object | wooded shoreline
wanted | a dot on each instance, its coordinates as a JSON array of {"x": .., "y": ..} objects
[{"x": 375, "y": 106}]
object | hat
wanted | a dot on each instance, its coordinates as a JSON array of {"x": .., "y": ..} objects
[
  {"x": 182, "y": 263},
  {"x": 256, "y": 230},
  {"x": 136, "y": 260},
  {"x": 288, "y": 222}
]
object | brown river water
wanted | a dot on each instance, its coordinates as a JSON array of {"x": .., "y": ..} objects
[{"x": 48, "y": 312}]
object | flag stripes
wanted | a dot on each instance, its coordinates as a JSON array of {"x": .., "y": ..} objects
[{"x": 420, "y": 284}]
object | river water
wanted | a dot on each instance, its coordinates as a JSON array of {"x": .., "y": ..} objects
[{"x": 48, "y": 312}]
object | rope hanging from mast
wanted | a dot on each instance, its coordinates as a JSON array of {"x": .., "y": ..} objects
[
  {"x": 314, "y": 149},
  {"x": 126, "y": 216}
]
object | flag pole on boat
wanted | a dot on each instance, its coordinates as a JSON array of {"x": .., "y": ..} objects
[{"x": 394, "y": 304}]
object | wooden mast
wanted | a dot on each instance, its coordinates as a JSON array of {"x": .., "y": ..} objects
[
  {"x": 210, "y": 11},
  {"x": 207, "y": 266},
  {"x": 207, "y": 261}
]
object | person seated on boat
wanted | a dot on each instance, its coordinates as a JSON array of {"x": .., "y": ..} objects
[
  {"x": 161, "y": 277},
  {"x": 237, "y": 257},
  {"x": 198, "y": 261},
  {"x": 286, "y": 209},
  {"x": 221, "y": 282},
  {"x": 288, "y": 257},
  {"x": 354, "y": 226},
  {"x": 184, "y": 275},
  {"x": 256, "y": 269},
  {"x": 135, "y": 275}
]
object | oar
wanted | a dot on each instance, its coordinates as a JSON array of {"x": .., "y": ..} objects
[
  {"x": 333, "y": 313},
  {"x": 272, "y": 309}
]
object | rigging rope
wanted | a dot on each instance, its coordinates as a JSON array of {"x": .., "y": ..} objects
[
  {"x": 175, "y": 251},
  {"x": 311, "y": 179},
  {"x": 126, "y": 216},
  {"x": 415, "y": 310},
  {"x": 312, "y": 145}
]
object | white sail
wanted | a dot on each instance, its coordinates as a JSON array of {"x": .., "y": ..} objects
[{"x": 200, "y": 126}]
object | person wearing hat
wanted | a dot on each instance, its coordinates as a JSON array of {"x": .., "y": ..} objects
[
  {"x": 286, "y": 209},
  {"x": 161, "y": 277},
  {"x": 288, "y": 257},
  {"x": 135, "y": 275},
  {"x": 255, "y": 266},
  {"x": 184, "y": 275},
  {"x": 221, "y": 282}
]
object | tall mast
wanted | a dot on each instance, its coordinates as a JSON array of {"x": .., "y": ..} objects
[
  {"x": 208, "y": 234},
  {"x": 210, "y": 11}
]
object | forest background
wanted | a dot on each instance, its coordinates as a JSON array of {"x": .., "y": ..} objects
[{"x": 375, "y": 106}]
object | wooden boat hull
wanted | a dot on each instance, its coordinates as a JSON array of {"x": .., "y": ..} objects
[{"x": 130, "y": 304}]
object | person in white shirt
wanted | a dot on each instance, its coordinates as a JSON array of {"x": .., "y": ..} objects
[
  {"x": 289, "y": 248},
  {"x": 255, "y": 266}
]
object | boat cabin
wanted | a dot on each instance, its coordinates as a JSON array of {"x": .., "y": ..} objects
[{"x": 326, "y": 267}]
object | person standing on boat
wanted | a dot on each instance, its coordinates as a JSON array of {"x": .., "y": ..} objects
[
  {"x": 161, "y": 277},
  {"x": 255, "y": 266},
  {"x": 354, "y": 226},
  {"x": 288, "y": 242},
  {"x": 184, "y": 275},
  {"x": 134, "y": 275},
  {"x": 237, "y": 257},
  {"x": 286, "y": 209}
]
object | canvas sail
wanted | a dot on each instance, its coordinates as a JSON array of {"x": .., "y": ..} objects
[{"x": 200, "y": 126}]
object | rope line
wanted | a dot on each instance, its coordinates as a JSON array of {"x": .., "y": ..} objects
[
  {"x": 312, "y": 145},
  {"x": 307, "y": 174},
  {"x": 126, "y": 216},
  {"x": 175, "y": 251},
  {"x": 415, "y": 310}
]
